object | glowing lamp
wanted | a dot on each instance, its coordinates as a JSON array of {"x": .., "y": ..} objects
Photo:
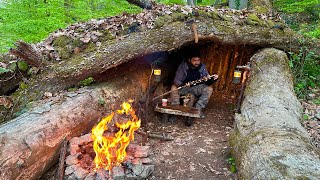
[
  {"x": 157, "y": 75},
  {"x": 236, "y": 77}
]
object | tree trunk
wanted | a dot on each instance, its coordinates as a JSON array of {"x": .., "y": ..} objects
[
  {"x": 261, "y": 6},
  {"x": 30, "y": 144},
  {"x": 269, "y": 141},
  {"x": 191, "y": 2},
  {"x": 238, "y": 4},
  {"x": 120, "y": 40},
  {"x": 145, "y": 4}
]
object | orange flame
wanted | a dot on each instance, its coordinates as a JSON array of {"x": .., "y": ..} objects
[{"x": 111, "y": 150}]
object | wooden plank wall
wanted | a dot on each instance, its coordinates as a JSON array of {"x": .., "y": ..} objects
[{"x": 222, "y": 59}]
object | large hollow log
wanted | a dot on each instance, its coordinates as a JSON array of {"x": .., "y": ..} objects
[
  {"x": 166, "y": 33},
  {"x": 269, "y": 141},
  {"x": 30, "y": 143}
]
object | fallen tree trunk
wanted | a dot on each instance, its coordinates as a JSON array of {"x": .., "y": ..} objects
[
  {"x": 30, "y": 144},
  {"x": 89, "y": 49},
  {"x": 269, "y": 141}
]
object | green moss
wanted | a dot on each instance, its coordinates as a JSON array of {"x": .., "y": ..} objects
[
  {"x": 225, "y": 17},
  {"x": 254, "y": 20},
  {"x": 160, "y": 21},
  {"x": 62, "y": 41},
  {"x": 261, "y": 9},
  {"x": 77, "y": 43},
  {"x": 86, "y": 81},
  {"x": 214, "y": 15},
  {"x": 22, "y": 65},
  {"x": 12, "y": 66},
  {"x": 23, "y": 85},
  {"x": 179, "y": 16},
  {"x": 91, "y": 47},
  {"x": 270, "y": 23},
  {"x": 64, "y": 53}
]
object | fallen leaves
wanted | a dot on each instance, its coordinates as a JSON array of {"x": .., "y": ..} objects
[{"x": 6, "y": 102}]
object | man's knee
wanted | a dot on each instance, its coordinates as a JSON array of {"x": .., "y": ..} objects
[
  {"x": 208, "y": 90},
  {"x": 174, "y": 87}
]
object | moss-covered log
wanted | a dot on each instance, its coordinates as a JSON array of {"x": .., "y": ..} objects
[
  {"x": 269, "y": 141},
  {"x": 80, "y": 58}
]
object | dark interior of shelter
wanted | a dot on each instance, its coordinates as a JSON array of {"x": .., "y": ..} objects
[{"x": 221, "y": 59}]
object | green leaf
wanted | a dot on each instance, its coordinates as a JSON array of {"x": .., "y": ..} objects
[
  {"x": 22, "y": 65},
  {"x": 2, "y": 70},
  {"x": 305, "y": 117}
]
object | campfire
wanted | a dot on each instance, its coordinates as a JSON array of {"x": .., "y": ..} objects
[{"x": 107, "y": 153}]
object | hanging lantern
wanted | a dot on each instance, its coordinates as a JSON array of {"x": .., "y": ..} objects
[
  {"x": 236, "y": 77},
  {"x": 157, "y": 75}
]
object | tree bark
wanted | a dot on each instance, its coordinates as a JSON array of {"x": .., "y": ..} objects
[
  {"x": 261, "y": 6},
  {"x": 168, "y": 33},
  {"x": 30, "y": 144},
  {"x": 269, "y": 141},
  {"x": 26, "y": 52},
  {"x": 145, "y": 4}
]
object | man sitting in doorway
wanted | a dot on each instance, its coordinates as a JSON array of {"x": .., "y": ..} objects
[{"x": 192, "y": 70}]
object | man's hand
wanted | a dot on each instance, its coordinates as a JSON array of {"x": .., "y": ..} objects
[
  {"x": 188, "y": 84},
  {"x": 215, "y": 76}
]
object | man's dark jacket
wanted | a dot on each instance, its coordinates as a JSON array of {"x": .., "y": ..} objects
[{"x": 181, "y": 73}]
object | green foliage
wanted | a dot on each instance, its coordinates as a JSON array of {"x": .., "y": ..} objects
[
  {"x": 232, "y": 162},
  {"x": 295, "y": 6},
  {"x": 306, "y": 69},
  {"x": 2, "y": 70},
  {"x": 22, "y": 65},
  {"x": 302, "y": 15},
  {"x": 86, "y": 82},
  {"x": 101, "y": 101},
  {"x": 33, "y": 20},
  {"x": 198, "y": 2}
]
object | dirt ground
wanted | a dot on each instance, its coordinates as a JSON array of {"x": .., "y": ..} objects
[{"x": 197, "y": 152}]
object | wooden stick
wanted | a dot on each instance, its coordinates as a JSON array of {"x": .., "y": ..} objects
[
  {"x": 194, "y": 28},
  {"x": 163, "y": 137},
  {"x": 63, "y": 152}
]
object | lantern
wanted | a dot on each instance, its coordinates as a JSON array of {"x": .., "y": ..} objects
[
  {"x": 236, "y": 77},
  {"x": 157, "y": 75}
]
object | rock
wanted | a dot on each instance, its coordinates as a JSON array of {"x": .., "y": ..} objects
[
  {"x": 91, "y": 176},
  {"x": 143, "y": 171},
  {"x": 69, "y": 170},
  {"x": 142, "y": 151},
  {"x": 118, "y": 173},
  {"x": 146, "y": 160},
  {"x": 80, "y": 173},
  {"x": 72, "y": 159}
]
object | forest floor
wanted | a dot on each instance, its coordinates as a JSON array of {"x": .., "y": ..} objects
[{"x": 199, "y": 151}]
